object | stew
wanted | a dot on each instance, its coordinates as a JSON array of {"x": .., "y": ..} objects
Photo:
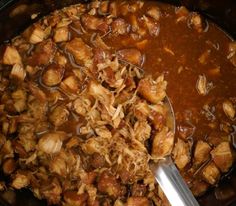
[{"x": 83, "y": 103}]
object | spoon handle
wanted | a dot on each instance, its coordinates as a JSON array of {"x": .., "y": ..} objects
[{"x": 172, "y": 184}]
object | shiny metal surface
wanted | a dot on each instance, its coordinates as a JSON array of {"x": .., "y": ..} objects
[{"x": 168, "y": 176}]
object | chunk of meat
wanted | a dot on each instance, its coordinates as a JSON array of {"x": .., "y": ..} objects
[
  {"x": 100, "y": 93},
  {"x": 51, "y": 190},
  {"x": 37, "y": 92},
  {"x": 201, "y": 152},
  {"x": 229, "y": 109},
  {"x": 182, "y": 13},
  {"x": 70, "y": 84},
  {"x": 51, "y": 142},
  {"x": 153, "y": 91},
  {"x": 81, "y": 106},
  {"x": 19, "y": 96},
  {"x": 80, "y": 51},
  {"x": 73, "y": 198},
  {"x": 133, "y": 56},
  {"x": 142, "y": 131},
  {"x": 108, "y": 184},
  {"x": 137, "y": 201},
  {"x": 18, "y": 72},
  {"x": 141, "y": 110},
  {"x": 232, "y": 52},
  {"x": 95, "y": 23},
  {"x": 120, "y": 26},
  {"x": 162, "y": 144},
  {"x": 11, "y": 56},
  {"x": 154, "y": 12},
  {"x": 61, "y": 34},
  {"x": 52, "y": 75},
  {"x": 9, "y": 166},
  {"x": 20, "y": 181},
  {"x": 211, "y": 173},
  {"x": 34, "y": 34},
  {"x": 97, "y": 160},
  {"x": 196, "y": 22},
  {"x": 153, "y": 27},
  {"x": 222, "y": 156},
  {"x": 43, "y": 54},
  {"x": 59, "y": 115},
  {"x": 181, "y": 154}
]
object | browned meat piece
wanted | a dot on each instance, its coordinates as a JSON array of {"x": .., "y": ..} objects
[
  {"x": 100, "y": 93},
  {"x": 108, "y": 184},
  {"x": 81, "y": 106},
  {"x": 51, "y": 190},
  {"x": 59, "y": 115},
  {"x": 133, "y": 56},
  {"x": 142, "y": 131},
  {"x": 199, "y": 187},
  {"x": 58, "y": 165},
  {"x": 52, "y": 75},
  {"x": 11, "y": 56},
  {"x": 9, "y": 166},
  {"x": 73, "y": 198},
  {"x": 153, "y": 27},
  {"x": 153, "y": 91},
  {"x": 158, "y": 120},
  {"x": 137, "y": 201},
  {"x": 138, "y": 190},
  {"x": 94, "y": 23},
  {"x": 51, "y": 142},
  {"x": 197, "y": 22},
  {"x": 81, "y": 51},
  {"x": 232, "y": 52},
  {"x": 222, "y": 156},
  {"x": 20, "y": 181},
  {"x": 113, "y": 9},
  {"x": 18, "y": 72},
  {"x": 182, "y": 13},
  {"x": 211, "y": 173},
  {"x": 35, "y": 34},
  {"x": 202, "y": 152},
  {"x": 97, "y": 160},
  {"x": 43, "y": 54},
  {"x": 120, "y": 26},
  {"x": 37, "y": 109},
  {"x": 142, "y": 110},
  {"x": 70, "y": 84},
  {"x": 229, "y": 109},
  {"x": 19, "y": 96},
  {"x": 154, "y": 12},
  {"x": 181, "y": 154},
  {"x": 162, "y": 144},
  {"x": 61, "y": 34},
  {"x": 103, "y": 8}
]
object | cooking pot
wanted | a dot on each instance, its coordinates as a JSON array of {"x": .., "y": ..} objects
[{"x": 15, "y": 15}]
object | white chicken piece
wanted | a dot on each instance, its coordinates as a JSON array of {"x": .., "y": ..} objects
[{"x": 11, "y": 56}]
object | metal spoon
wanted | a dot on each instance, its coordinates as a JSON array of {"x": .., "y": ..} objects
[{"x": 168, "y": 176}]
